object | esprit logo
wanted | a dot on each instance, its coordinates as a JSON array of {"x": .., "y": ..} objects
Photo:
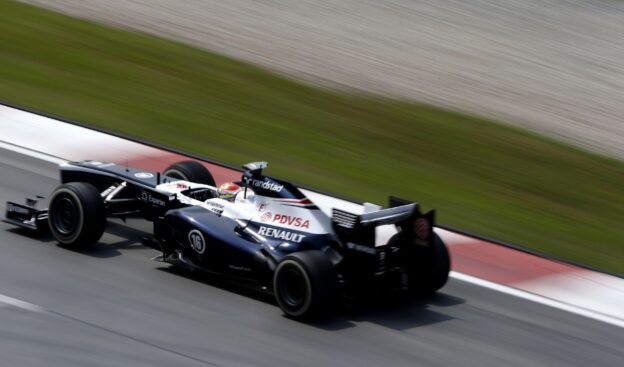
[{"x": 148, "y": 198}]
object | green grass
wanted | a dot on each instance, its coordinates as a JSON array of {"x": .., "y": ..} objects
[{"x": 482, "y": 176}]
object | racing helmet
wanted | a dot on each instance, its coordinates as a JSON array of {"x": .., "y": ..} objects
[{"x": 227, "y": 191}]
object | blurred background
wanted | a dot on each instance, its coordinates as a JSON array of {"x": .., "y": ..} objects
[{"x": 506, "y": 116}]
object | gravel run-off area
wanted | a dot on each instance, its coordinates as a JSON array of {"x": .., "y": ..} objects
[{"x": 556, "y": 67}]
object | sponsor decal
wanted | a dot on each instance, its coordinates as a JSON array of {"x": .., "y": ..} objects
[
  {"x": 148, "y": 198},
  {"x": 108, "y": 191},
  {"x": 264, "y": 184},
  {"x": 261, "y": 207},
  {"x": 291, "y": 221},
  {"x": 422, "y": 228},
  {"x": 178, "y": 185},
  {"x": 216, "y": 208},
  {"x": 143, "y": 175},
  {"x": 197, "y": 242},
  {"x": 280, "y": 234},
  {"x": 266, "y": 217}
]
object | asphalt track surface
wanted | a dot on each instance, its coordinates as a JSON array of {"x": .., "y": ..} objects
[{"x": 114, "y": 306}]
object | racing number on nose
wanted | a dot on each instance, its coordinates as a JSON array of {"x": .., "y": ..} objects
[{"x": 196, "y": 239}]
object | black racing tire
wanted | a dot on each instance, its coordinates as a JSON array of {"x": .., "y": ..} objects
[
  {"x": 305, "y": 285},
  {"x": 438, "y": 268},
  {"x": 191, "y": 171},
  {"x": 76, "y": 215},
  {"x": 428, "y": 268}
]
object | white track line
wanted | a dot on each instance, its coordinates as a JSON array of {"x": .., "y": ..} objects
[
  {"x": 21, "y": 304},
  {"x": 538, "y": 299}
]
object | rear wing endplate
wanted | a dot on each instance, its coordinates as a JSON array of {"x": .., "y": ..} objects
[{"x": 360, "y": 228}]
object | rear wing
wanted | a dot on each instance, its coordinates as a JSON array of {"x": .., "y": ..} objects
[{"x": 360, "y": 228}]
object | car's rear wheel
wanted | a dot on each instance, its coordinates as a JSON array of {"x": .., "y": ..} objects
[
  {"x": 431, "y": 268},
  {"x": 427, "y": 267},
  {"x": 76, "y": 214},
  {"x": 191, "y": 171},
  {"x": 305, "y": 284}
]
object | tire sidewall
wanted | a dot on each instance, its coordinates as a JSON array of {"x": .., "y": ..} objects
[
  {"x": 427, "y": 267},
  {"x": 65, "y": 239},
  {"x": 91, "y": 214},
  {"x": 307, "y": 303},
  {"x": 432, "y": 270},
  {"x": 191, "y": 171},
  {"x": 177, "y": 174}
]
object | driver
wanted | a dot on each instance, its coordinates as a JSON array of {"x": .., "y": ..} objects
[{"x": 227, "y": 191}]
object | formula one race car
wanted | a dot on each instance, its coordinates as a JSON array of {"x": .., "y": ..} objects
[{"x": 263, "y": 231}]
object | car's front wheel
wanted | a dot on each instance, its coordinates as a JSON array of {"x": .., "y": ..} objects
[
  {"x": 76, "y": 214},
  {"x": 305, "y": 284}
]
